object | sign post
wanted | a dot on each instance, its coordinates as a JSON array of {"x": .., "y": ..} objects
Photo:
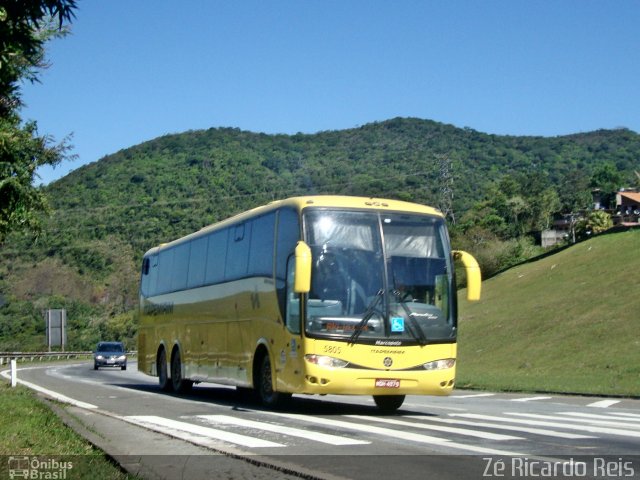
[{"x": 56, "y": 321}]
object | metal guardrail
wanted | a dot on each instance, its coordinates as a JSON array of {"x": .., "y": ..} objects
[{"x": 5, "y": 357}]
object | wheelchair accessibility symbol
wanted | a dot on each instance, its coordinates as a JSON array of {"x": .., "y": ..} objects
[{"x": 397, "y": 324}]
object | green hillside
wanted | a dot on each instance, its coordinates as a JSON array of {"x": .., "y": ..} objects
[
  {"x": 106, "y": 214},
  {"x": 566, "y": 323}
]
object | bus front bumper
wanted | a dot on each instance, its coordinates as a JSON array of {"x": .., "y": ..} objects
[{"x": 347, "y": 381}]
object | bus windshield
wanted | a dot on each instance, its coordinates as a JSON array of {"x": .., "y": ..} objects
[{"x": 379, "y": 278}]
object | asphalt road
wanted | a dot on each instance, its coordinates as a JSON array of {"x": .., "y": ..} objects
[{"x": 467, "y": 435}]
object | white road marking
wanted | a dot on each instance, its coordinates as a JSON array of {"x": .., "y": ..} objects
[
  {"x": 603, "y": 403},
  {"x": 530, "y": 399},
  {"x": 474, "y": 395},
  {"x": 196, "y": 432},
  {"x": 604, "y": 423},
  {"x": 633, "y": 416},
  {"x": 390, "y": 433},
  {"x": 50, "y": 393},
  {"x": 514, "y": 428},
  {"x": 583, "y": 428},
  {"x": 439, "y": 428},
  {"x": 294, "y": 432},
  {"x": 433, "y": 406},
  {"x": 607, "y": 417}
]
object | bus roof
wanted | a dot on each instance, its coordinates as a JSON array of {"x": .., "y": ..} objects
[{"x": 300, "y": 203}]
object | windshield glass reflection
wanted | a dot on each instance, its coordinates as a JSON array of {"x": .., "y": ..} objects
[{"x": 378, "y": 277}]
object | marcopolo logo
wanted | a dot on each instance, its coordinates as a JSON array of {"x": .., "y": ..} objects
[{"x": 38, "y": 468}]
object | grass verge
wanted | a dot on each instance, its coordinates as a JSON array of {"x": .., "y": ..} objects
[
  {"x": 566, "y": 323},
  {"x": 32, "y": 435}
]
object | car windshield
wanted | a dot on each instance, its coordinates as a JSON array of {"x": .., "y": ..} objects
[
  {"x": 379, "y": 278},
  {"x": 110, "y": 347}
]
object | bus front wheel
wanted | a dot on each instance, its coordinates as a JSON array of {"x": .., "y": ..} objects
[
  {"x": 266, "y": 394},
  {"x": 388, "y": 403}
]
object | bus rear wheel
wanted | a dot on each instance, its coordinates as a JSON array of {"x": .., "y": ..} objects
[
  {"x": 266, "y": 394},
  {"x": 388, "y": 403},
  {"x": 179, "y": 384},
  {"x": 163, "y": 374}
]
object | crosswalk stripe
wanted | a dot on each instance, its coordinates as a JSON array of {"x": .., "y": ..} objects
[
  {"x": 390, "y": 433},
  {"x": 439, "y": 428},
  {"x": 603, "y": 403},
  {"x": 530, "y": 399},
  {"x": 513, "y": 428},
  {"x": 474, "y": 395},
  {"x": 632, "y": 416},
  {"x": 294, "y": 432},
  {"x": 197, "y": 432},
  {"x": 415, "y": 437},
  {"x": 608, "y": 417},
  {"x": 603, "y": 423},
  {"x": 583, "y": 428}
]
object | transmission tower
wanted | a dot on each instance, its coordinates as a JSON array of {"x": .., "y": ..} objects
[{"x": 446, "y": 187}]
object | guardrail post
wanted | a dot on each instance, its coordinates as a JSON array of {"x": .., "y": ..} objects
[{"x": 14, "y": 373}]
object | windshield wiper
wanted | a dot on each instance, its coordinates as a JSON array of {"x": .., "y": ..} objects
[
  {"x": 366, "y": 317},
  {"x": 414, "y": 327}
]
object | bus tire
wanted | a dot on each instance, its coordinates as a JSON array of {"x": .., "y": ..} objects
[
  {"x": 163, "y": 374},
  {"x": 264, "y": 388},
  {"x": 180, "y": 385},
  {"x": 388, "y": 403}
]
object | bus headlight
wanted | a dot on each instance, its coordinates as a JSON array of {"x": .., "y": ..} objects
[
  {"x": 440, "y": 364},
  {"x": 325, "y": 361}
]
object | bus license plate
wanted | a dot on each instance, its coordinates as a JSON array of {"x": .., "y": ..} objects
[{"x": 387, "y": 383}]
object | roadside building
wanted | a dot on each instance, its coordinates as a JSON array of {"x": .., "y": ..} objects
[{"x": 627, "y": 211}]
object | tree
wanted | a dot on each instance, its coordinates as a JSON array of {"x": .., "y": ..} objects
[
  {"x": 575, "y": 191},
  {"x": 546, "y": 204},
  {"x": 25, "y": 26},
  {"x": 596, "y": 222},
  {"x": 608, "y": 179}
]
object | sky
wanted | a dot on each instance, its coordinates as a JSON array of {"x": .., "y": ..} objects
[{"x": 131, "y": 71}]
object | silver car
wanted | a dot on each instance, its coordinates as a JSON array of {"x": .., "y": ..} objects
[{"x": 110, "y": 354}]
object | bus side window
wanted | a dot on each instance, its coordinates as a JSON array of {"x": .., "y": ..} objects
[
  {"x": 288, "y": 235},
  {"x": 216, "y": 257},
  {"x": 153, "y": 276},
  {"x": 165, "y": 273},
  {"x": 144, "y": 282},
  {"x": 293, "y": 300},
  {"x": 146, "y": 264},
  {"x": 237, "y": 261},
  {"x": 197, "y": 262},
  {"x": 180, "y": 270},
  {"x": 261, "y": 250}
]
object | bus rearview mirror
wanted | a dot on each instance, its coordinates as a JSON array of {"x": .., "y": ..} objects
[
  {"x": 302, "y": 274},
  {"x": 474, "y": 277}
]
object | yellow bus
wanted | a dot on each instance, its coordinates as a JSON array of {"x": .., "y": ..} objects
[{"x": 309, "y": 295}]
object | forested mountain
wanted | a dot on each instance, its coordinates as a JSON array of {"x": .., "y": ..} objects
[{"x": 105, "y": 215}]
